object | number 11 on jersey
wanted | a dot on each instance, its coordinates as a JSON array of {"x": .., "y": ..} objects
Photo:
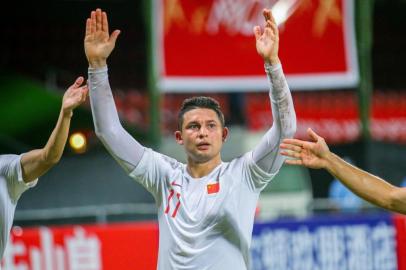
[{"x": 173, "y": 198}]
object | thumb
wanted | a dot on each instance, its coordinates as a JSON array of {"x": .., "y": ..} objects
[
  {"x": 257, "y": 32},
  {"x": 313, "y": 135},
  {"x": 78, "y": 82},
  {"x": 114, "y": 35}
]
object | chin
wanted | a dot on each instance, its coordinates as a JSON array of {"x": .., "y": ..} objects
[{"x": 202, "y": 158}]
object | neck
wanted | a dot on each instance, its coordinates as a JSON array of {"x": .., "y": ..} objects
[{"x": 201, "y": 169}]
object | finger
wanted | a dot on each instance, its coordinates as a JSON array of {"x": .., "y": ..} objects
[
  {"x": 273, "y": 26},
  {"x": 313, "y": 135},
  {"x": 84, "y": 95},
  {"x": 294, "y": 162},
  {"x": 257, "y": 32},
  {"x": 287, "y": 154},
  {"x": 267, "y": 14},
  {"x": 105, "y": 22},
  {"x": 294, "y": 142},
  {"x": 292, "y": 151},
  {"x": 93, "y": 21},
  {"x": 271, "y": 30},
  {"x": 88, "y": 27},
  {"x": 114, "y": 35},
  {"x": 291, "y": 147},
  {"x": 268, "y": 23},
  {"x": 268, "y": 32},
  {"x": 86, "y": 90},
  {"x": 98, "y": 20},
  {"x": 78, "y": 82}
]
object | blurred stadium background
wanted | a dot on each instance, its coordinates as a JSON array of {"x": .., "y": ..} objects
[{"x": 42, "y": 53}]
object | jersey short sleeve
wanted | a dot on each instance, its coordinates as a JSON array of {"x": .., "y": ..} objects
[
  {"x": 153, "y": 169},
  {"x": 10, "y": 169}
]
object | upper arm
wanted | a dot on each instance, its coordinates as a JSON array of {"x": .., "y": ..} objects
[
  {"x": 34, "y": 165},
  {"x": 126, "y": 150},
  {"x": 153, "y": 170},
  {"x": 256, "y": 177},
  {"x": 266, "y": 154}
]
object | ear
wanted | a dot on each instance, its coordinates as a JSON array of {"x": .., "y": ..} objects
[
  {"x": 225, "y": 134},
  {"x": 178, "y": 137}
]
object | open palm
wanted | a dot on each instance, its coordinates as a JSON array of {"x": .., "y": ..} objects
[
  {"x": 98, "y": 43},
  {"x": 267, "y": 42},
  {"x": 311, "y": 154},
  {"x": 75, "y": 95}
]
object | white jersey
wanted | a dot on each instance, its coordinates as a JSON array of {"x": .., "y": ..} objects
[
  {"x": 12, "y": 186},
  {"x": 204, "y": 223}
]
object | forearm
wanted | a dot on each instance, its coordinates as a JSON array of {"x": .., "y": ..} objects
[
  {"x": 55, "y": 146},
  {"x": 283, "y": 111},
  {"x": 367, "y": 186},
  {"x": 37, "y": 162},
  {"x": 266, "y": 154},
  {"x": 127, "y": 151}
]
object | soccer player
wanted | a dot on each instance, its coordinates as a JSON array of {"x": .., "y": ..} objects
[
  {"x": 315, "y": 154},
  {"x": 205, "y": 207},
  {"x": 20, "y": 172}
]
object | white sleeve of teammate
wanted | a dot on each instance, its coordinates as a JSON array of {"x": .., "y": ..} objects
[
  {"x": 10, "y": 169},
  {"x": 120, "y": 144},
  {"x": 266, "y": 153}
]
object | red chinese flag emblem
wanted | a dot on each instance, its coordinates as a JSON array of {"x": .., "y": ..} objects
[{"x": 213, "y": 188}]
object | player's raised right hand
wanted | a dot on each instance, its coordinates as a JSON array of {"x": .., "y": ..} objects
[{"x": 98, "y": 42}]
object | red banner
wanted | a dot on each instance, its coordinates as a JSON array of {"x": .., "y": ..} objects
[
  {"x": 400, "y": 224},
  {"x": 335, "y": 115},
  {"x": 109, "y": 247},
  {"x": 208, "y": 45},
  {"x": 332, "y": 114},
  {"x": 135, "y": 245}
]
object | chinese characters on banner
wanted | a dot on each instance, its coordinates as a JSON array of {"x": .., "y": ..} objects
[
  {"x": 347, "y": 243},
  {"x": 116, "y": 246},
  {"x": 318, "y": 243},
  {"x": 208, "y": 45}
]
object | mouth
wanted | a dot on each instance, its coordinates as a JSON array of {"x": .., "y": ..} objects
[{"x": 203, "y": 146}]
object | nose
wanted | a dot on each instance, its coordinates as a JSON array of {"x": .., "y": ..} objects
[{"x": 202, "y": 132}]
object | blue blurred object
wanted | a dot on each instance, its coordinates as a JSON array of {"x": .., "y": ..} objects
[
  {"x": 403, "y": 184},
  {"x": 343, "y": 198}
]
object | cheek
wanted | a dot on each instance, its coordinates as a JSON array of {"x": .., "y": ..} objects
[
  {"x": 187, "y": 138},
  {"x": 217, "y": 138}
]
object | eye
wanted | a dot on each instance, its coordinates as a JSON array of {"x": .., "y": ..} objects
[
  {"x": 193, "y": 126},
  {"x": 212, "y": 125}
]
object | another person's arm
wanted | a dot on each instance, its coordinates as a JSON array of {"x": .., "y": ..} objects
[
  {"x": 266, "y": 153},
  {"x": 36, "y": 162},
  {"x": 98, "y": 45},
  {"x": 316, "y": 154}
]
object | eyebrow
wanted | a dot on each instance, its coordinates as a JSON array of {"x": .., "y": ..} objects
[{"x": 197, "y": 122}]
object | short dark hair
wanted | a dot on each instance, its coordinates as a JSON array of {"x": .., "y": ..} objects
[{"x": 200, "y": 102}]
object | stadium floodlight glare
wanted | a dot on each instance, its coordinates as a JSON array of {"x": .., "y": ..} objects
[
  {"x": 78, "y": 142},
  {"x": 283, "y": 9}
]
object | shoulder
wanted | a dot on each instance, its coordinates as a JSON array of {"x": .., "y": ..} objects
[
  {"x": 239, "y": 163},
  {"x": 241, "y": 159},
  {"x": 9, "y": 163},
  {"x": 152, "y": 158},
  {"x": 8, "y": 158}
]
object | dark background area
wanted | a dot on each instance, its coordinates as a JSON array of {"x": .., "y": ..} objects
[{"x": 45, "y": 39}]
